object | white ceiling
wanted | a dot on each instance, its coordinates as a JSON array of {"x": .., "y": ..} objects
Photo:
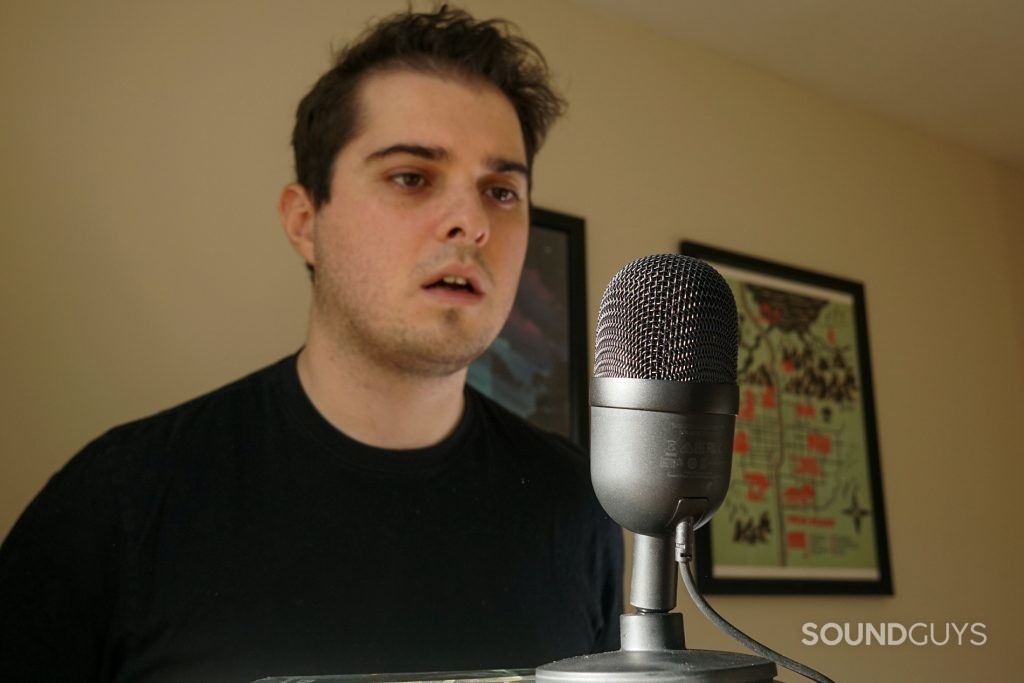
[{"x": 952, "y": 67}]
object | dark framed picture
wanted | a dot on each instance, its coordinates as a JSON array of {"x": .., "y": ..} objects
[
  {"x": 805, "y": 511},
  {"x": 537, "y": 367}
]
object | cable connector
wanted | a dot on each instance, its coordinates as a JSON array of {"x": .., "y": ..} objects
[{"x": 684, "y": 541}]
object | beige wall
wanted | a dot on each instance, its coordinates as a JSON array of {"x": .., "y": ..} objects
[
  {"x": 144, "y": 144},
  {"x": 1011, "y": 192}
]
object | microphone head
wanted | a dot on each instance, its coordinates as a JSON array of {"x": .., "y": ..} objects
[{"x": 667, "y": 317}]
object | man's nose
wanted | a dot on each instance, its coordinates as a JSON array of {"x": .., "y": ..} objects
[{"x": 466, "y": 219}]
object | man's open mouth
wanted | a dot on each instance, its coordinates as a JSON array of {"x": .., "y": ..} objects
[{"x": 453, "y": 283}]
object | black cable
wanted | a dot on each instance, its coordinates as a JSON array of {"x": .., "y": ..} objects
[{"x": 684, "y": 558}]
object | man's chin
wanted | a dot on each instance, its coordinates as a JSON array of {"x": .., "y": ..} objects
[
  {"x": 436, "y": 365},
  {"x": 435, "y": 347},
  {"x": 446, "y": 355},
  {"x": 431, "y": 352}
]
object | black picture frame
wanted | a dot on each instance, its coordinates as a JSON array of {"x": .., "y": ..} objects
[
  {"x": 537, "y": 367},
  {"x": 805, "y": 513}
]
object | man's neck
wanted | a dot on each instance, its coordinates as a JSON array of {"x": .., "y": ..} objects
[{"x": 379, "y": 406}]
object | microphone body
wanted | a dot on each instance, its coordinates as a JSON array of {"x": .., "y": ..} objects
[{"x": 661, "y": 451}]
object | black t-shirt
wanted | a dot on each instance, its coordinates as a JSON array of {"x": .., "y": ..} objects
[{"x": 240, "y": 535}]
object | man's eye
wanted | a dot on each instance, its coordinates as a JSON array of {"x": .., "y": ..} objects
[
  {"x": 503, "y": 195},
  {"x": 409, "y": 180}
]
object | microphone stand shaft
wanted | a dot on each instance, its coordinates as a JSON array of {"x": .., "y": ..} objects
[{"x": 653, "y": 586}]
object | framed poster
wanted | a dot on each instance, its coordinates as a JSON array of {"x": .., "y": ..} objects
[
  {"x": 805, "y": 511},
  {"x": 537, "y": 367}
]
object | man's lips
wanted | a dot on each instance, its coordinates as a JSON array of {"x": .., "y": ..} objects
[
  {"x": 448, "y": 296},
  {"x": 456, "y": 279}
]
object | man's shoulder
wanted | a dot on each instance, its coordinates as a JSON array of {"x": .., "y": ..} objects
[
  {"x": 225, "y": 403},
  {"x": 216, "y": 415}
]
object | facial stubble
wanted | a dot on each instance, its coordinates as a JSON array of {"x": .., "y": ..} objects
[{"x": 445, "y": 344}]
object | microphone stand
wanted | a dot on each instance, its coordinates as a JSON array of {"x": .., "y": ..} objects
[{"x": 653, "y": 646}]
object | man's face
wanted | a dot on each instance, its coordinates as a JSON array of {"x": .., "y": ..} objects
[{"x": 419, "y": 250}]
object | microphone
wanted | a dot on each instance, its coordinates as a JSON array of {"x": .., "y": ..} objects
[
  {"x": 663, "y": 410},
  {"x": 664, "y": 400}
]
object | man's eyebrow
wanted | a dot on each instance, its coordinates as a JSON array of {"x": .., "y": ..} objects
[
  {"x": 496, "y": 164},
  {"x": 422, "y": 151},
  {"x": 508, "y": 166}
]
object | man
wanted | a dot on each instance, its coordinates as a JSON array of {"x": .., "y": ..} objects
[{"x": 352, "y": 508}]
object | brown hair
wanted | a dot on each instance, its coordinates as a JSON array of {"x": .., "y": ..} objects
[{"x": 446, "y": 42}]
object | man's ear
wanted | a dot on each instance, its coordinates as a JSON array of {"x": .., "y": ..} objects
[{"x": 297, "y": 218}]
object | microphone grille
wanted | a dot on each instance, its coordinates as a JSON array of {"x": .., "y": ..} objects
[{"x": 667, "y": 317}]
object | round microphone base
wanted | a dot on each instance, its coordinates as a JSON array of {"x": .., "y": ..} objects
[{"x": 660, "y": 666}]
